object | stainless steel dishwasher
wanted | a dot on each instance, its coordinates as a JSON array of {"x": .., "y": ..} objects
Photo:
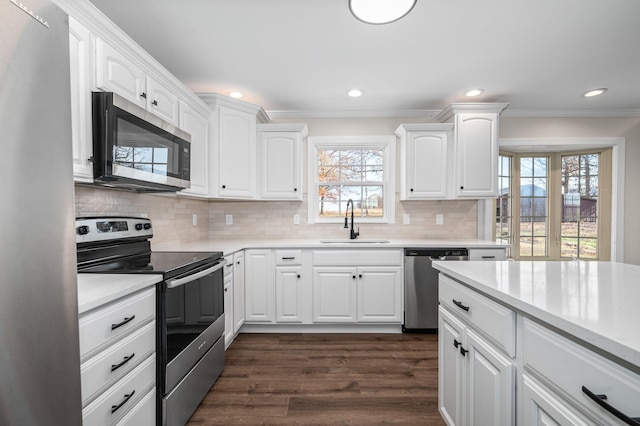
[{"x": 421, "y": 286}]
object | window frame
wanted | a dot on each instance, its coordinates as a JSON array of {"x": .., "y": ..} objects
[{"x": 385, "y": 143}]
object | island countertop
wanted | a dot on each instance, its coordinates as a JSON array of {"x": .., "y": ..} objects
[{"x": 596, "y": 302}]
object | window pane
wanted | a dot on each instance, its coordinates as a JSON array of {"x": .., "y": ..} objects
[
  {"x": 588, "y": 248},
  {"x": 374, "y": 174},
  {"x": 539, "y": 246},
  {"x": 351, "y": 174},
  {"x": 526, "y": 167},
  {"x": 539, "y": 226},
  {"x": 540, "y": 167},
  {"x": 569, "y": 247}
]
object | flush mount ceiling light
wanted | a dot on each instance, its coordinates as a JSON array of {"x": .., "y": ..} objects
[
  {"x": 594, "y": 92},
  {"x": 474, "y": 92},
  {"x": 355, "y": 93},
  {"x": 236, "y": 95},
  {"x": 380, "y": 11}
]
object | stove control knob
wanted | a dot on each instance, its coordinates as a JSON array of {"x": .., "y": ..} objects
[
  {"x": 83, "y": 230},
  {"x": 138, "y": 227},
  {"x": 147, "y": 226}
]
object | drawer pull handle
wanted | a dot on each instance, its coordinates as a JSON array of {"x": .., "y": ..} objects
[
  {"x": 460, "y": 305},
  {"x": 127, "y": 397},
  {"x": 288, "y": 258},
  {"x": 600, "y": 400},
  {"x": 114, "y": 367},
  {"x": 463, "y": 351},
  {"x": 456, "y": 343},
  {"x": 126, "y": 320},
  {"x": 488, "y": 257}
]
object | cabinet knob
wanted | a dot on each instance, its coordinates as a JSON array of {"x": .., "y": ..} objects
[
  {"x": 224, "y": 186},
  {"x": 298, "y": 275},
  {"x": 295, "y": 189},
  {"x": 226, "y": 290},
  {"x": 155, "y": 103},
  {"x": 411, "y": 190},
  {"x": 360, "y": 276},
  {"x": 354, "y": 277},
  {"x": 462, "y": 187},
  {"x": 143, "y": 95}
]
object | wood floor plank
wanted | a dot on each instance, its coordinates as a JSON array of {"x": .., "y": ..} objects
[{"x": 325, "y": 379}]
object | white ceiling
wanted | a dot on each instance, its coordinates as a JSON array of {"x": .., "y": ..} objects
[{"x": 299, "y": 57}]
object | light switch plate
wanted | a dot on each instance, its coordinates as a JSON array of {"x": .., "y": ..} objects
[
  {"x": 194, "y": 219},
  {"x": 406, "y": 219},
  {"x": 439, "y": 219},
  {"x": 229, "y": 219},
  {"x": 296, "y": 219}
]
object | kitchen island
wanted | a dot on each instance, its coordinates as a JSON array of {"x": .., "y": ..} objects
[{"x": 564, "y": 334}]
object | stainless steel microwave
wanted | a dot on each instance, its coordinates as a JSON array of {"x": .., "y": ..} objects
[{"x": 136, "y": 150}]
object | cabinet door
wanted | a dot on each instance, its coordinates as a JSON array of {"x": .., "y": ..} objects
[
  {"x": 490, "y": 384},
  {"x": 238, "y": 291},
  {"x": 236, "y": 154},
  {"x": 228, "y": 311},
  {"x": 162, "y": 102},
  {"x": 197, "y": 126},
  {"x": 280, "y": 159},
  {"x": 450, "y": 368},
  {"x": 541, "y": 407},
  {"x": 334, "y": 294},
  {"x": 260, "y": 292},
  {"x": 289, "y": 294},
  {"x": 380, "y": 294},
  {"x": 80, "y": 53},
  {"x": 116, "y": 73},
  {"x": 427, "y": 157},
  {"x": 477, "y": 155}
]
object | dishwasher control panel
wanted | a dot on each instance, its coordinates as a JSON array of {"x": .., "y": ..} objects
[{"x": 457, "y": 252}]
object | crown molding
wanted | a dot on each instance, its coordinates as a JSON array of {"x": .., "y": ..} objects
[
  {"x": 576, "y": 113},
  {"x": 413, "y": 113},
  {"x": 215, "y": 99}
]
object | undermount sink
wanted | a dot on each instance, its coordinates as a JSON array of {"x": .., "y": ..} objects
[{"x": 342, "y": 241}]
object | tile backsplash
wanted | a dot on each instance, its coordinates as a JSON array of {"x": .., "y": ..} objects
[{"x": 172, "y": 218}]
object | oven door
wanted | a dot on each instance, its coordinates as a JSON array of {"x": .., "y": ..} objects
[{"x": 191, "y": 320}]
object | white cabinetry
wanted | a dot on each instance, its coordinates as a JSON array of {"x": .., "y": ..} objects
[
  {"x": 476, "y": 149},
  {"x": 280, "y": 156},
  {"x": 290, "y": 288},
  {"x": 488, "y": 254},
  {"x": 118, "y": 370},
  {"x": 425, "y": 157},
  {"x": 117, "y": 73},
  {"x": 233, "y": 154},
  {"x": 197, "y": 126},
  {"x": 228, "y": 301},
  {"x": 363, "y": 286},
  {"x": 259, "y": 281},
  {"x": 238, "y": 291},
  {"x": 477, "y": 375},
  {"x": 82, "y": 81}
]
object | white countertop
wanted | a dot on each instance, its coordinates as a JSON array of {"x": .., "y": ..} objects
[
  {"x": 597, "y": 302},
  {"x": 231, "y": 246},
  {"x": 97, "y": 289}
]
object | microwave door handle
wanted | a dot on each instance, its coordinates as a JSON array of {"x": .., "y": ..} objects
[{"x": 181, "y": 281}]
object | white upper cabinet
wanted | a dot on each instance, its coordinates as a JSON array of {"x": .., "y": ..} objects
[
  {"x": 116, "y": 73},
  {"x": 81, "y": 67},
  {"x": 233, "y": 142},
  {"x": 280, "y": 154},
  {"x": 198, "y": 127},
  {"x": 424, "y": 161},
  {"x": 476, "y": 150}
]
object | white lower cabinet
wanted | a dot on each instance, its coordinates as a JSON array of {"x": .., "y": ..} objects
[
  {"x": 379, "y": 294},
  {"x": 477, "y": 379},
  {"x": 289, "y": 294},
  {"x": 259, "y": 285},
  {"x": 238, "y": 291},
  {"x": 334, "y": 294},
  {"x": 118, "y": 355},
  {"x": 228, "y": 310}
]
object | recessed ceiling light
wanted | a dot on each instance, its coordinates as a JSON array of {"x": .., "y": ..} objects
[
  {"x": 355, "y": 93},
  {"x": 594, "y": 92},
  {"x": 236, "y": 95},
  {"x": 380, "y": 11},
  {"x": 474, "y": 92}
]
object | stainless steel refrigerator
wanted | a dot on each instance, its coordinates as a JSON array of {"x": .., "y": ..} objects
[{"x": 39, "y": 356}]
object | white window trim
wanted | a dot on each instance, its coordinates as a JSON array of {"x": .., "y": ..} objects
[
  {"x": 386, "y": 143},
  {"x": 486, "y": 215}
]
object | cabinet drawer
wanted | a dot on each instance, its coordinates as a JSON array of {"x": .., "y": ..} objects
[
  {"x": 487, "y": 254},
  {"x": 288, "y": 257},
  {"x": 144, "y": 413},
  {"x": 228, "y": 267},
  {"x": 109, "y": 366},
  {"x": 569, "y": 367},
  {"x": 115, "y": 320},
  {"x": 357, "y": 257},
  {"x": 118, "y": 400},
  {"x": 489, "y": 317}
]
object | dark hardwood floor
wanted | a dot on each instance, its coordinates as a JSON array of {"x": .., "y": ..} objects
[{"x": 325, "y": 379}]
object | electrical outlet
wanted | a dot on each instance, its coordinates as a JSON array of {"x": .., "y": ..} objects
[
  {"x": 194, "y": 219},
  {"x": 439, "y": 219},
  {"x": 406, "y": 219},
  {"x": 229, "y": 219},
  {"x": 296, "y": 219}
]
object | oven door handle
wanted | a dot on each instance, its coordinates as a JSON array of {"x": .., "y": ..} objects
[{"x": 181, "y": 281}]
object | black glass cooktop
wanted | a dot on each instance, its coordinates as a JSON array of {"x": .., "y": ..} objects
[{"x": 169, "y": 264}]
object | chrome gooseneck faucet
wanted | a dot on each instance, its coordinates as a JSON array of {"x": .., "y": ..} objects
[{"x": 353, "y": 235}]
